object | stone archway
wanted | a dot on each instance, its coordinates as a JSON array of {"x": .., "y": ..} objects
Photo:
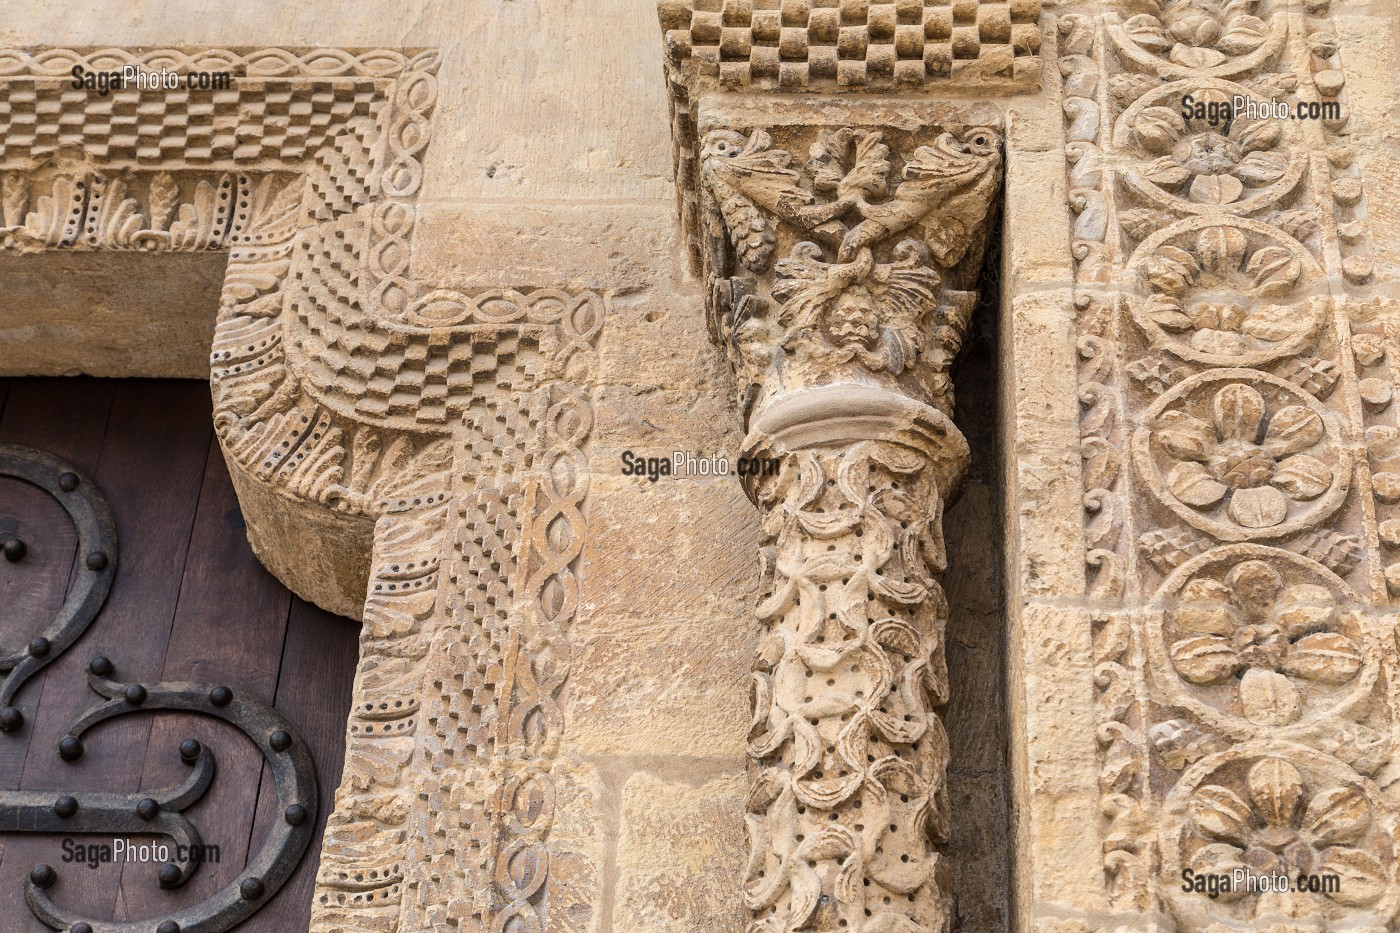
[{"x": 403, "y": 455}]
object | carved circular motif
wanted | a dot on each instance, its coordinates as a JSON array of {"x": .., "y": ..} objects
[
  {"x": 1192, "y": 157},
  {"x": 1243, "y": 455},
  {"x": 1225, "y": 294},
  {"x": 1206, "y": 39},
  {"x": 1254, "y": 638},
  {"x": 1271, "y": 810}
]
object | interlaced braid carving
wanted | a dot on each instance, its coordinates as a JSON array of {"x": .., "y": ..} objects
[{"x": 538, "y": 652}]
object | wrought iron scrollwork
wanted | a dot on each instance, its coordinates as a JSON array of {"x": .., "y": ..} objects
[
  {"x": 97, "y": 542},
  {"x": 158, "y": 812}
]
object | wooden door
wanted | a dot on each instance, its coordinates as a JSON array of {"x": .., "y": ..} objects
[{"x": 188, "y": 602}]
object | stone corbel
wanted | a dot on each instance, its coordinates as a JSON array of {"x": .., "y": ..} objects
[{"x": 839, "y": 232}]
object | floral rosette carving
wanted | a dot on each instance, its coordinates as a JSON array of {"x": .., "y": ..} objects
[
  {"x": 1275, "y": 810},
  {"x": 1217, "y": 37},
  {"x": 1257, "y": 639},
  {"x": 1196, "y": 164},
  {"x": 1225, "y": 294},
  {"x": 1243, "y": 455}
]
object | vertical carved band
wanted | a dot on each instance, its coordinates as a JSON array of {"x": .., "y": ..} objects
[
  {"x": 837, "y": 287},
  {"x": 1240, "y": 449}
]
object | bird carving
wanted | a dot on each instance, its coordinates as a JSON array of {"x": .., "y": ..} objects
[
  {"x": 945, "y": 193},
  {"x": 748, "y": 178}
]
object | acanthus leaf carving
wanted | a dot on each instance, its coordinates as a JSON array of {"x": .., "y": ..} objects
[{"x": 836, "y": 264}]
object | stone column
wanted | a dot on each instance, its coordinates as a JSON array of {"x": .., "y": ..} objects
[
  {"x": 841, "y": 348},
  {"x": 839, "y": 237},
  {"x": 848, "y": 755}
]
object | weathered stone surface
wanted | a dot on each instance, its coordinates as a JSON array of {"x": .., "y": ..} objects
[
  {"x": 451, "y": 309},
  {"x": 670, "y": 878},
  {"x": 95, "y": 314},
  {"x": 1044, "y": 498},
  {"x": 662, "y": 684},
  {"x": 1054, "y": 776}
]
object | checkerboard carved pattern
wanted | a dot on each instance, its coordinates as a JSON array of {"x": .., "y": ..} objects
[{"x": 851, "y": 43}]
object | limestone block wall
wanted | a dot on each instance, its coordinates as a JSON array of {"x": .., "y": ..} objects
[{"x": 1170, "y": 572}]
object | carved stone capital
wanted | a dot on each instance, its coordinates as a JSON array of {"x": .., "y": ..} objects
[
  {"x": 844, "y": 252},
  {"x": 834, "y": 49}
]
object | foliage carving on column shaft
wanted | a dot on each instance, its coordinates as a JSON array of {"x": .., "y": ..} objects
[
  {"x": 848, "y": 804},
  {"x": 839, "y": 287},
  {"x": 1240, "y": 450}
]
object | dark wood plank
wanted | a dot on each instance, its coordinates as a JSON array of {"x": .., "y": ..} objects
[
  {"x": 32, "y": 592},
  {"x": 67, "y": 418},
  {"x": 151, "y": 468},
  {"x": 190, "y": 603},
  {"x": 313, "y": 691},
  {"x": 230, "y": 627},
  {"x": 64, "y": 417}
]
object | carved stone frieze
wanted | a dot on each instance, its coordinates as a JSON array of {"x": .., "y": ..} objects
[
  {"x": 299, "y": 144},
  {"x": 1237, "y": 437},
  {"x": 465, "y": 648},
  {"x": 149, "y": 212}
]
